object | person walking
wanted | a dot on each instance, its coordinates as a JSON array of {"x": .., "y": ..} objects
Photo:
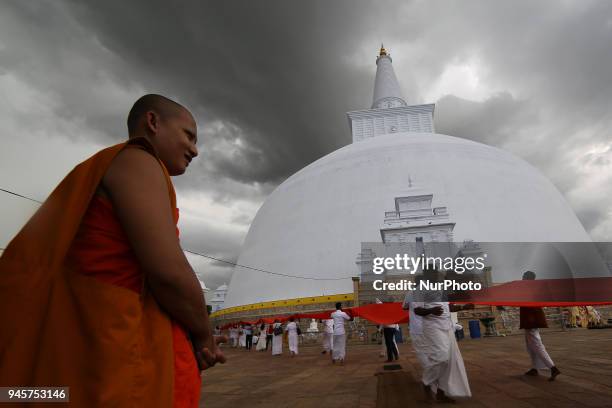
[{"x": 532, "y": 319}]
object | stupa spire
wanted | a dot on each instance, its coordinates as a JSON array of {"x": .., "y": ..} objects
[
  {"x": 382, "y": 50},
  {"x": 387, "y": 93},
  {"x": 389, "y": 112}
]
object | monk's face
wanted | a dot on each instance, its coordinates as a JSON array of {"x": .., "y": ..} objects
[{"x": 175, "y": 141}]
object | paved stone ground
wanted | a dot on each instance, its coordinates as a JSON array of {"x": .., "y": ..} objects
[{"x": 494, "y": 366}]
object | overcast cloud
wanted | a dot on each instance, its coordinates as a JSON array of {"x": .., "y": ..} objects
[{"x": 270, "y": 82}]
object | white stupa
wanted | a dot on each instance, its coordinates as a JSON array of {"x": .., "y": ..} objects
[{"x": 313, "y": 224}]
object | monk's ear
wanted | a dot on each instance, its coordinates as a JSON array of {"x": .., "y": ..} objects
[{"x": 151, "y": 122}]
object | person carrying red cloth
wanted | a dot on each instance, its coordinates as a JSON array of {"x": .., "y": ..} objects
[{"x": 532, "y": 319}]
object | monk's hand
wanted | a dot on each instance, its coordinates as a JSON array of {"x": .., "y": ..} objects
[
  {"x": 209, "y": 356},
  {"x": 436, "y": 311},
  {"x": 468, "y": 306}
]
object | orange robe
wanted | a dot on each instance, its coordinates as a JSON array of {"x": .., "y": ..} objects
[{"x": 76, "y": 310}]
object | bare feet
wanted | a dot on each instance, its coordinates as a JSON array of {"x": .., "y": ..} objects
[
  {"x": 533, "y": 372},
  {"x": 428, "y": 394},
  {"x": 554, "y": 372},
  {"x": 442, "y": 397}
]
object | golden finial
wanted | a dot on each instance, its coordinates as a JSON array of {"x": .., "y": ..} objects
[{"x": 382, "y": 50}]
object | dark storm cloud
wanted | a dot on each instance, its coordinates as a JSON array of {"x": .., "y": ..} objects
[
  {"x": 270, "y": 82},
  {"x": 492, "y": 121},
  {"x": 271, "y": 73}
]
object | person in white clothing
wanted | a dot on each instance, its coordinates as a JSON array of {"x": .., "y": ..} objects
[
  {"x": 277, "y": 340},
  {"x": 532, "y": 319},
  {"x": 433, "y": 338},
  {"x": 261, "y": 340},
  {"x": 233, "y": 333},
  {"x": 292, "y": 337},
  {"x": 415, "y": 327},
  {"x": 328, "y": 335},
  {"x": 339, "y": 339},
  {"x": 241, "y": 337}
]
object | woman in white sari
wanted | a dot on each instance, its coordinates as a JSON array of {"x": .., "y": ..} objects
[
  {"x": 242, "y": 338},
  {"x": 261, "y": 341},
  {"x": 277, "y": 339},
  {"x": 292, "y": 337}
]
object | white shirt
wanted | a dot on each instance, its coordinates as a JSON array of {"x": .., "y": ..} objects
[
  {"x": 443, "y": 321},
  {"x": 339, "y": 317},
  {"x": 291, "y": 328},
  {"x": 329, "y": 326}
]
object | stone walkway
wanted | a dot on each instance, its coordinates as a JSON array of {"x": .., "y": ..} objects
[{"x": 494, "y": 366}]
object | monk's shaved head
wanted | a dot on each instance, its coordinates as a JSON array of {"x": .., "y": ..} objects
[{"x": 163, "y": 106}]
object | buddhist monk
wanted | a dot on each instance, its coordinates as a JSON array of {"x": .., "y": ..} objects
[{"x": 95, "y": 291}]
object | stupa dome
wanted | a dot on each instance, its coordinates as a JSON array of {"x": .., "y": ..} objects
[{"x": 313, "y": 224}]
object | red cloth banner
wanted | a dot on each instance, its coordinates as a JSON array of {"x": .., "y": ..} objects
[
  {"x": 543, "y": 293},
  {"x": 380, "y": 313},
  {"x": 534, "y": 293}
]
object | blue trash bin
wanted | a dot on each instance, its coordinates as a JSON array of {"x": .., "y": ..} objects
[{"x": 474, "y": 329}]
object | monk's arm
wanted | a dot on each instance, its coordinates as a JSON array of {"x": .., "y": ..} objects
[
  {"x": 458, "y": 308},
  {"x": 424, "y": 311},
  {"x": 139, "y": 193}
]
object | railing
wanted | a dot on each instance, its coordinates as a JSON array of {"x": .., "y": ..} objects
[{"x": 420, "y": 213}]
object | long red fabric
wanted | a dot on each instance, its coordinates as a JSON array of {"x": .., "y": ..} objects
[
  {"x": 385, "y": 313},
  {"x": 535, "y": 293},
  {"x": 544, "y": 293}
]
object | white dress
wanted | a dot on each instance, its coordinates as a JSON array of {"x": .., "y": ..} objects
[
  {"x": 261, "y": 342},
  {"x": 292, "y": 337},
  {"x": 233, "y": 332},
  {"x": 242, "y": 339},
  {"x": 277, "y": 341},
  {"x": 328, "y": 334}
]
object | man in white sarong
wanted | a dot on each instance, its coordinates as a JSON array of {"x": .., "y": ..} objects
[
  {"x": 241, "y": 337},
  {"x": 233, "y": 333},
  {"x": 433, "y": 338},
  {"x": 532, "y": 319},
  {"x": 339, "y": 339},
  {"x": 277, "y": 339},
  {"x": 328, "y": 335},
  {"x": 292, "y": 337}
]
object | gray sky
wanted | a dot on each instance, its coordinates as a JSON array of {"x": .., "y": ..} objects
[{"x": 270, "y": 82}]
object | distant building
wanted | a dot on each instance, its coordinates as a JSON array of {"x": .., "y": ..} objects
[{"x": 218, "y": 298}]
